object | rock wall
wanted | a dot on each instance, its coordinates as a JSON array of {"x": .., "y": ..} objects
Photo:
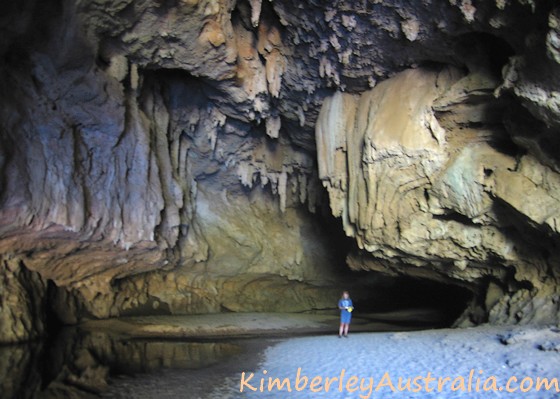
[
  {"x": 426, "y": 178},
  {"x": 22, "y": 302},
  {"x": 252, "y": 257},
  {"x": 114, "y": 166},
  {"x": 163, "y": 156}
]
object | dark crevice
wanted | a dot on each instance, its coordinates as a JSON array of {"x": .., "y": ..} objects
[
  {"x": 486, "y": 50},
  {"x": 152, "y": 306},
  {"x": 332, "y": 229},
  {"x": 455, "y": 217},
  {"x": 523, "y": 231},
  {"x": 514, "y": 285},
  {"x": 506, "y": 145},
  {"x": 533, "y": 135},
  {"x": 53, "y": 324},
  {"x": 426, "y": 195}
]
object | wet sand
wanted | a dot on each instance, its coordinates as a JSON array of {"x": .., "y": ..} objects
[
  {"x": 254, "y": 333},
  {"x": 201, "y": 383},
  {"x": 144, "y": 357},
  {"x": 239, "y": 325}
]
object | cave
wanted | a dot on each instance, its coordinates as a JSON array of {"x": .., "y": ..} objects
[{"x": 175, "y": 172}]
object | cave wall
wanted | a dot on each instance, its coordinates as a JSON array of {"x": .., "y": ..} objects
[
  {"x": 429, "y": 183},
  {"x": 168, "y": 154},
  {"x": 111, "y": 170}
]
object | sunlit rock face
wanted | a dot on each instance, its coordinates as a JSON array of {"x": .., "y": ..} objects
[
  {"x": 170, "y": 156},
  {"x": 438, "y": 190}
]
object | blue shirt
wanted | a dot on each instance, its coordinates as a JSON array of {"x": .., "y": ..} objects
[
  {"x": 345, "y": 315},
  {"x": 344, "y": 303}
]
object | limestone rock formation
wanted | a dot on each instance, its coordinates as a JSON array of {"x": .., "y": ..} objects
[
  {"x": 22, "y": 302},
  {"x": 441, "y": 199},
  {"x": 252, "y": 258},
  {"x": 169, "y": 155}
]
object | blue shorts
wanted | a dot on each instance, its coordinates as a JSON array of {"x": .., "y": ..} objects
[{"x": 345, "y": 317}]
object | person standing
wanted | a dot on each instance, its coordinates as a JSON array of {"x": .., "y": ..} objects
[{"x": 346, "y": 307}]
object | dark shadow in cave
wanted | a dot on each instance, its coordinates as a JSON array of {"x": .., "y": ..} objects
[
  {"x": 427, "y": 302},
  {"x": 533, "y": 134},
  {"x": 333, "y": 230},
  {"x": 403, "y": 301},
  {"x": 480, "y": 49}
]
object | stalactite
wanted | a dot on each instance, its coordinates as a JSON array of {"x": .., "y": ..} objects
[{"x": 256, "y": 6}]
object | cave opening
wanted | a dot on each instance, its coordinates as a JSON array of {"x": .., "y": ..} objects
[
  {"x": 428, "y": 302},
  {"x": 388, "y": 300},
  {"x": 407, "y": 302}
]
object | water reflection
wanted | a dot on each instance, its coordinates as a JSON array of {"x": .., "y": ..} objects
[
  {"x": 18, "y": 370},
  {"x": 78, "y": 364}
]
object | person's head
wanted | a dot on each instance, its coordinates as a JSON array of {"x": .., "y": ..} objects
[{"x": 345, "y": 294}]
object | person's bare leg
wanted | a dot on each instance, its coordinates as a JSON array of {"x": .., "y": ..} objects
[
  {"x": 341, "y": 330},
  {"x": 346, "y": 329}
]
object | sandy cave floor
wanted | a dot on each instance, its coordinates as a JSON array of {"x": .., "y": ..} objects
[
  {"x": 235, "y": 325},
  {"x": 478, "y": 362}
]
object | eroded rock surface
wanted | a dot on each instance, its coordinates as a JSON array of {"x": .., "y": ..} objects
[
  {"x": 169, "y": 155},
  {"x": 22, "y": 302},
  {"x": 426, "y": 179}
]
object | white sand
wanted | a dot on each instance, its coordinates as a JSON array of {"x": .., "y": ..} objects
[
  {"x": 497, "y": 351},
  {"x": 444, "y": 353}
]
